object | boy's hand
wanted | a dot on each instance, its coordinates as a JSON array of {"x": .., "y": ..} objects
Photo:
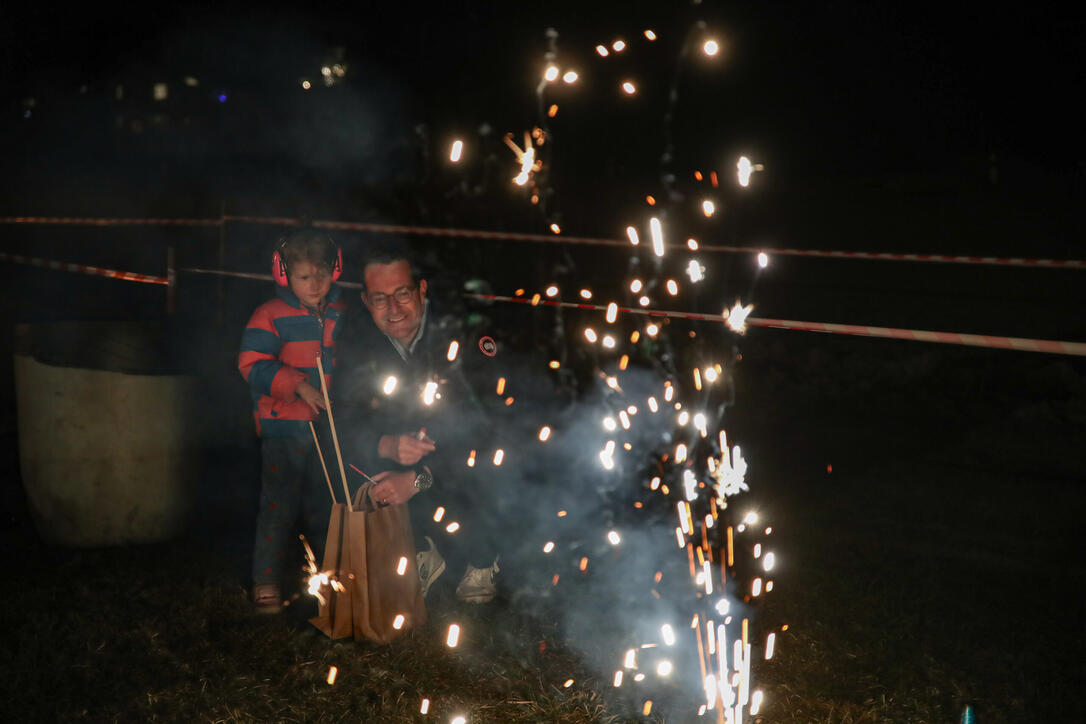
[
  {"x": 405, "y": 449},
  {"x": 311, "y": 396}
]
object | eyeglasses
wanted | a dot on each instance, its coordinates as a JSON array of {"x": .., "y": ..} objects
[{"x": 403, "y": 295}]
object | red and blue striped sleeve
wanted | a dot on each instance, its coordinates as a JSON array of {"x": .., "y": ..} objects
[{"x": 259, "y": 361}]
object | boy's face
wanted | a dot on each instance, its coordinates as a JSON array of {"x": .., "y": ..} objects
[
  {"x": 394, "y": 300},
  {"x": 309, "y": 282}
]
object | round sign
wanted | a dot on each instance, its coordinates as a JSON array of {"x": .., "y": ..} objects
[{"x": 488, "y": 346}]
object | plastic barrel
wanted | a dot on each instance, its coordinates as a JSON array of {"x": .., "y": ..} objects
[{"x": 106, "y": 436}]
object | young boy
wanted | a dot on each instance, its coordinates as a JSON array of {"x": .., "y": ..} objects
[{"x": 278, "y": 359}]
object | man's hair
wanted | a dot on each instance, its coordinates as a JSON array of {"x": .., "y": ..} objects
[
  {"x": 387, "y": 254},
  {"x": 307, "y": 245}
]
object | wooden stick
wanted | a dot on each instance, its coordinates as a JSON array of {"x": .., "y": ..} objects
[
  {"x": 324, "y": 467},
  {"x": 335, "y": 438}
]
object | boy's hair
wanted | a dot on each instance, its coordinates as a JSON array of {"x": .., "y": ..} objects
[
  {"x": 387, "y": 254},
  {"x": 307, "y": 245}
]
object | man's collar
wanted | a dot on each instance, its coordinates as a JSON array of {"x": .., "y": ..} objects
[{"x": 406, "y": 352}]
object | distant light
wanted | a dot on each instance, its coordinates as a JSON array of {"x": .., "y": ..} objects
[
  {"x": 570, "y": 76},
  {"x": 618, "y": 46},
  {"x": 306, "y": 85},
  {"x": 551, "y": 73},
  {"x": 649, "y": 35},
  {"x": 711, "y": 47},
  {"x": 456, "y": 151},
  {"x": 763, "y": 259},
  {"x": 602, "y": 50},
  {"x": 191, "y": 82},
  {"x": 222, "y": 98},
  {"x": 326, "y": 71},
  {"x": 629, "y": 88},
  {"x": 708, "y": 207}
]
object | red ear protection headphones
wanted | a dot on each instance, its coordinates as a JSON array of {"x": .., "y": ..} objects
[{"x": 279, "y": 265}]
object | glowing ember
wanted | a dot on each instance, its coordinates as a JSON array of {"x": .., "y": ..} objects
[
  {"x": 471, "y": 459},
  {"x": 631, "y": 234},
  {"x": 608, "y": 341},
  {"x": 425, "y": 706},
  {"x": 631, "y": 659},
  {"x": 668, "y": 633},
  {"x": 651, "y": 330},
  {"x": 499, "y": 454},
  {"x": 567, "y": 684},
  {"x": 737, "y": 316},
  {"x": 459, "y": 720},
  {"x": 613, "y": 538},
  {"x": 570, "y": 76},
  {"x": 708, "y": 207},
  {"x": 609, "y": 424},
  {"x": 692, "y": 244},
  {"x": 390, "y": 385},
  {"x": 710, "y": 374},
  {"x": 397, "y": 623},
  {"x": 657, "y": 232},
  {"x": 401, "y": 566},
  {"x": 770, "y": 643},
  {"x": 551, "y": 73},
  {"x": 555, "y": 228},
  {"x": 552, "y": 291},
  {"x": 763, "y": 259},
  {"x": 456, "y": 150},
  {"x": 644, "y": 302},
  {"x": 711, "y": 48},
  {"x": 672, "y": 287},
  {"x": 548, "y": 546},
  {"x": 544, "y": 433},
  {"x": 500, "y": 388},
  {"x": 429, "y": 392},
  {"x": 453, "y": 636},
  {"x": 586, "y": 294},
  {"x": 768, "y": 562},
  {"x": 332, "y": 671},
  {"x": 755, "y": 702},
  {"x": 452, "y": 527},
  {"x": 612, "y": 313},
  {"x": 663, "y": 668},
  {"x": 618, "y": 46},
  {"x": 602, "y": 50},
  {"x": 653, "y": 406},
  {"x": 454, "y": 347},
  {"x": 635, "y": 286},
  {"x": 649, "y": 35},
  {"x": 584, "y": 564},
  {"x": 618, "y": 678},
  {"x": 695, "y": 271},
  {"x": 439, "y": 513},
  {"x": 744, "y": 169},
  {"x": 629, "y": 88}
]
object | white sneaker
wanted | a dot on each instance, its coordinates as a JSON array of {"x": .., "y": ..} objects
[
  {"x": 430, "y": 564},
  {"x": 477, "y": 585}
]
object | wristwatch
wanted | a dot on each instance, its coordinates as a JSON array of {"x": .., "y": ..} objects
[{"x": 423, "y": 480}]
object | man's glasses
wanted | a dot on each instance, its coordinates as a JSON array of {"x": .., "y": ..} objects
[{"x": 403, "y": 295}]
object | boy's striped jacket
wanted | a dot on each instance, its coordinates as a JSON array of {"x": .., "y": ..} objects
[{"x": 279, "y": 350}]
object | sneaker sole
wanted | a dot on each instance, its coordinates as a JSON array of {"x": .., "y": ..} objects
[{"x": 433, "y": 577}]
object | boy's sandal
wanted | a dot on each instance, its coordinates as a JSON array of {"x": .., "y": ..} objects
[{"x": 267, "y": 599}]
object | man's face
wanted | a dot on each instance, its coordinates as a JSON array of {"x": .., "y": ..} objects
[
  {"x": 310, "y": 283},
  {"x": 394, "y": 300}
]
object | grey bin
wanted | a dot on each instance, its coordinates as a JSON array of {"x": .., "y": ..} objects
[{"x": 106, "y": 443}]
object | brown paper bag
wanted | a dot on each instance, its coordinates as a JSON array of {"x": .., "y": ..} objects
[{"x": 364, "y": 550}]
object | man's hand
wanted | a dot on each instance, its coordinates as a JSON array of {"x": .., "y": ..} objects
[
  {"x": 394, "y": 488},
  {"x": 404, "y": 449},
  {"x": 311, "y": 396}
]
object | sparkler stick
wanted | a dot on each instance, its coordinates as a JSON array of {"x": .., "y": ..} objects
[
  {"x": 324, "y": 467},
  {"x": 335, "y": 438}
]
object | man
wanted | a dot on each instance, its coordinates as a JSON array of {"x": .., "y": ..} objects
[{"x": 406, "y": 406}]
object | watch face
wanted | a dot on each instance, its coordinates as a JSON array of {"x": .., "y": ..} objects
[{"x": 423, "y": 481}]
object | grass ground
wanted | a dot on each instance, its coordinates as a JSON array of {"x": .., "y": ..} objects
[{"x": 938, "y": 565}]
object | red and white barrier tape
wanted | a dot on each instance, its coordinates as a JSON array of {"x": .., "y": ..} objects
[
  {"x": 82, "y": 269},
  {"x": 918, "y": 335},
  {"x": 247, "y": 275},
  {"x": 550, "y": 239}
]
